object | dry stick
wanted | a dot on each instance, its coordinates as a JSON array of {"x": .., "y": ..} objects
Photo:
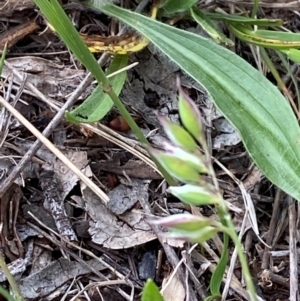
[
  {"x": 272, "y": 227},
  {"x": 122, "y": 144},
  {"x": 170, "y": 253},
  {"x": 48, "y": 130},
  {"x": 100, "y": 284},
  {"x": 233, "y": 259},
  {"x": 294, "y": 293},
  {"x": 190, "y": 267},
  {"x": 55, "y": 151}
]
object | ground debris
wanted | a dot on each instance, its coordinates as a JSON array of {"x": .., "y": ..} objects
[
  {"x": 117, "y": 234},
  {"x": 52, "y": 277}
]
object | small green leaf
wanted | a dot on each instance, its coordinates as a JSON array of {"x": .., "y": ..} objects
[
  {"x": 194, "y": 195},
  {"x": 178, "y": 168},
  {"x": 218, "y": 274},
  {"x": 178, "y": 135},
  {"x": 98, "y": 104},
  {"x": 176, "y": 6},
  {"x": 266, "y": 38},
  {"x": 151, "y": 292}
]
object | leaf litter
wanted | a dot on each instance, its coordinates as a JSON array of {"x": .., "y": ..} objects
[{"x": 118, "y": 232}]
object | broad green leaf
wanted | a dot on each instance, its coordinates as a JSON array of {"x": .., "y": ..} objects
[
  {"x": 98, "y": 104},
  {"x": 151, "y": 292},
  {"x": 209, "y": 27},
  {"x": 194, "y": 195},
  {"x": 176, "y": 6},
  {"x": 178, "y": 135},
  {"x": 253, "y": 105}
]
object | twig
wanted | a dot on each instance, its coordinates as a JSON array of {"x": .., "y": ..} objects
[
  {"x": 233, "y": 259},
  {"x": 272, "y": 227},
  {"x": 294, "y": 293},
  {"x": 55, "y": 151}
]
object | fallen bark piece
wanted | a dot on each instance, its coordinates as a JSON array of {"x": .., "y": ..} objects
[
  {"x": 56, "y": 274},
  {"x": 12, "y": 36}
]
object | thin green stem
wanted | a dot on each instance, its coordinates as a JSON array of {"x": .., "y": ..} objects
[
  {"x": 14, "y": 286},
  {"x": 255, "y": 9}
]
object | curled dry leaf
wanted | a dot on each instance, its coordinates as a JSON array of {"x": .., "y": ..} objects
[{"x": 66, "y": 177}]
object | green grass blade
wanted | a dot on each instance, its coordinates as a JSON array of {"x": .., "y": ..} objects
[
  {"x": 291, "y": 74},
  {"x": 244, "y": 20},
  {"x": 253, "y": 105},
  {"x": 218, "y": 274},
  {"x": 98, "y": 104},
  {"x": 2, "y": 59},
  {"x": 209, "y": 27},
  {"x": 266, "y": 38},
  {"x": 6, "y": 294}
]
